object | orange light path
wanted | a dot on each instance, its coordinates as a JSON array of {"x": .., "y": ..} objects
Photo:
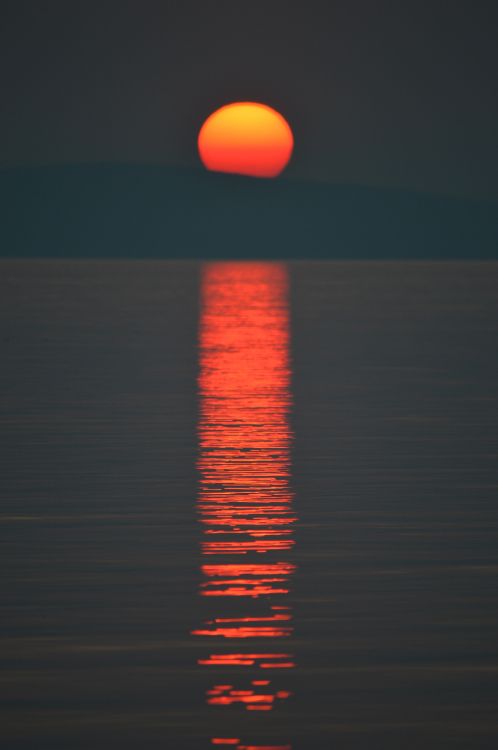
[{"x": 245, "y": 500}]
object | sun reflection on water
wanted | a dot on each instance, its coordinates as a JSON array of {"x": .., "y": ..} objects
[{"x": 245, "y": 499}]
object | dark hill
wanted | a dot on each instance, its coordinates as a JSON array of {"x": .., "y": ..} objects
[{"x": 151, "y": 212}]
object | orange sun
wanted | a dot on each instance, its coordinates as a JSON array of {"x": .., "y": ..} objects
[{"x": 246, "y": 138}]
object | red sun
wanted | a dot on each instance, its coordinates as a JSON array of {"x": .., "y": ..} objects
[{"x": 246, "y": 138}]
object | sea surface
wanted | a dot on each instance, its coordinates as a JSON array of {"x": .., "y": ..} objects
[{"x": 248, "y": 505}]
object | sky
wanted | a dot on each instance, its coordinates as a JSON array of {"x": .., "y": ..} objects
[{"x": 381, "y": 93}]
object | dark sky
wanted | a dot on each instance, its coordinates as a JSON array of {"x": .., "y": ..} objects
[{"x": 382, "y": 93}]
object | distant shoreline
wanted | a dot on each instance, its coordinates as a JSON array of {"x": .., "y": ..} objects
[{"x": 140, "y": 212}]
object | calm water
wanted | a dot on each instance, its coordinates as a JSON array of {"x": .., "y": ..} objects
[{"x": 249, "y": 505}]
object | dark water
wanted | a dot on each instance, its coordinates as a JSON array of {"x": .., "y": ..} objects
[{"x": 254, "y": 504}]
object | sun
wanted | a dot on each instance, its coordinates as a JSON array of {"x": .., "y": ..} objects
[{"x": 246, "y": 138}]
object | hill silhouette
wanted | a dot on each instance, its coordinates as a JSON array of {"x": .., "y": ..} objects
[{"x": 108, "y": 211}]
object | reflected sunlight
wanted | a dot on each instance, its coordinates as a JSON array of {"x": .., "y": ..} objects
[{"x": 245, "y": 499}]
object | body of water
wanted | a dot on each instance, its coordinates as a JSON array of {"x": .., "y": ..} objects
[{"x": 249, "y": 505}]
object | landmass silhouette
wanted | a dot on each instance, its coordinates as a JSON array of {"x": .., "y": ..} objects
[{"x": 134, "y": 211}]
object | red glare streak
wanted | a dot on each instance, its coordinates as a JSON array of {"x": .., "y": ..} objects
[
  {"x": 242, "y": 692},
  {"x": 242, "y": 548},
  {"x": 253, "y": 581},
  {"x": 273, "y": 618},
  {"x": 250, "y": 532},
  {"x": 247, "y": 526},
  {"x": 247, "y": 660},
  {"x": 222, "y": 509},
  {"x": 249, "y": 656},
  {"x": 240, "y": 659},
  {"x": 249, "y": 698},
  {"x": 245, "y": 503},
  {"x": 236, "y": 523},
  {"x": 271, "y": 532},
  {"x": 229, "y": 524},
  {"x": 224, "y": 741},
  {"x": 224, "y": 662},
  {"x": 254, "y": 592},
  {"x": 243, "y": 632},
  {"x": 249, "y": 502},
  {"x": 235, "y": 569}
]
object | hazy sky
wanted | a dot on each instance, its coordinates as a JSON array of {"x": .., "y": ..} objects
[{"x": 381, "y": 93}]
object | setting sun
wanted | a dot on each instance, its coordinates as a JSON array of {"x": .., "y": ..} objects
[{"x": 246, "y": 138}]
